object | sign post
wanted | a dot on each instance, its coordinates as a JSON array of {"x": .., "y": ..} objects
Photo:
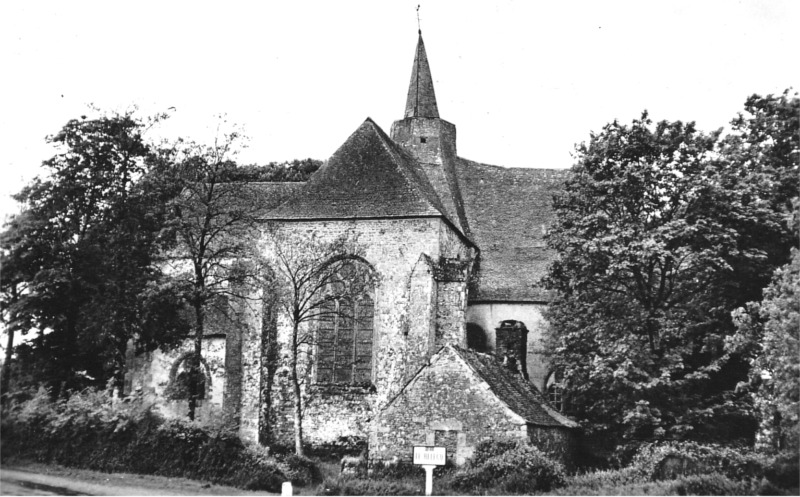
[{"x": 429, "y": 457}]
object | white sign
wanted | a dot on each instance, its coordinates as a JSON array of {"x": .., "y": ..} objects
[{"x": 430, "y": 456}]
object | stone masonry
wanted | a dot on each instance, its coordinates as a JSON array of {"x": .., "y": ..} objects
[{"x": 449, "y": 244}]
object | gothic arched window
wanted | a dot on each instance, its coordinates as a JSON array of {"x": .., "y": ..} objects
[
  {"x": 180, "y": 378},
  {"x": 346, "y": 325}
]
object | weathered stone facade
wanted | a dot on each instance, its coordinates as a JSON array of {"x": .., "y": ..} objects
[
  {"x": 153, "y": 373},
  {"x": 432, "y": 231},
  {"x": 450, "y": 399}
]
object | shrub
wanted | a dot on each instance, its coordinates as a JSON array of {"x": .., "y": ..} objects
[
  {"x": 598, "y": 480},
  {"x": 391, "y": 470},
  {"x": 93, "y": 431},
  {"x": 301, "y": 470},
  {"x": 691, "y": 458},
  {"x": 522, "y": 469},
  {"x": 349, "y": 485},
  {"x": 710, "y": 484},
  {"x": 488, "y": 449},
  {"x": 784, "y": 471}
]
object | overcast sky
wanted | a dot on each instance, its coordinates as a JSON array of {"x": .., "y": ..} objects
[{"x": 523, "y": 81}]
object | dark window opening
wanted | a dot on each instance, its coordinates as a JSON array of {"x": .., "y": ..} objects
[
  {"x": 180, "y": 381},
  {"x": 423, "y": 139},
  {"x": 447, "y": 439},
  {"x": 476, "y": 337},
  {"x": 344, "y": 333}
]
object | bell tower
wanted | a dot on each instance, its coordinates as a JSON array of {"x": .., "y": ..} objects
[
  {"x": 421, "y": 132},
  {"x": 430, "y": 139}
]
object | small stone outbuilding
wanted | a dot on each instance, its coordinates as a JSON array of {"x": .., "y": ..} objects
[{"x": 461, "y": 398}]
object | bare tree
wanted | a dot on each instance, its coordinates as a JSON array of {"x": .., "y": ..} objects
[
  {"x": 309, "y": 276},
  {"x": 212, "y": 223}
]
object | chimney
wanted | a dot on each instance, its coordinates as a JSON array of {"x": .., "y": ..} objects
[{"x": 511, "y": 340}]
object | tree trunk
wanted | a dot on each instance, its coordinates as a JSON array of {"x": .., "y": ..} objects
[
  {"x": 9, "y": 349},
  {"x": 196, "y": 365},
  {"x": 7, "y": 363},
  {"x": 298, "y": 401}
]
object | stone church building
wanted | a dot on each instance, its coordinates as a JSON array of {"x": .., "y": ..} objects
[{"x": 446, "y": 345}]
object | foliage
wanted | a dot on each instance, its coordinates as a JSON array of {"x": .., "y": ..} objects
[
  {"x": 766, "y": 143},
  {"x": 208, "y": 231},
  {"x": 770, "y": 331},
  {"x": 349, "y": 485},
  {"x": 92, "y": 430},
  {"x": 78, "y": 258},
  {"x": 301, "y": 470},
  {"x": 295, "y": 170},
  {"x": 659, "y": 238},
  {"x": 688, "y": 468},
  {"x": 709, "y": 484},
  {"x": 522, "y": 469},
  {"x": 731, "y": 462},
  {"x": 488, "y": 449},
  {"x": 784, "y": 470}
]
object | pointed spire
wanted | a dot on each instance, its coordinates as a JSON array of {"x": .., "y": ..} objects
[{"x": 421, "y": 100}]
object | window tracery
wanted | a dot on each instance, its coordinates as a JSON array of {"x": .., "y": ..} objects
[{"x": 345, "y": 328}]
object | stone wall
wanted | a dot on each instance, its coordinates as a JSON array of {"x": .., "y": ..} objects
[
  {"x": 251, "y": 364},
  {"x": 489, "y": 315},
  {"x": 451, "y": 303},
  {"x": 151, "y": 375},
  {"x": 405, "y": 308},
  {"x": 447, "y": 401},
  {"x": 421, "y": 328},
  {"x": 559, "y": 443}
]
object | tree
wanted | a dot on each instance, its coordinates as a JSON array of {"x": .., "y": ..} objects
[
  {"x": 13, "y": 260},
  {"x": 658, "y": 240},
  {"x": 773, "y": 325},
  {"x": 81, "y": 248},
  {"x": 310, "y": 274},
  {"x": 766, "y": 141},
  {"x": 212, "y": 224},
  {"x": 296, "y": 170}
]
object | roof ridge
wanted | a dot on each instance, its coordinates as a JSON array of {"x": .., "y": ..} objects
[{"x": 471, "y": 162}]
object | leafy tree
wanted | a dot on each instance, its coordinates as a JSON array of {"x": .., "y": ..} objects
[
  {"x": 765, "y": 142},
  {"x": 658, "y": 240},
  {"x": 13, "y": 259},
  {"x": 305, "y": 272},
  {"x": 773, "y": 327},
  {"x": 295, "y": 170},
  {"x": 81, "y": 249}
]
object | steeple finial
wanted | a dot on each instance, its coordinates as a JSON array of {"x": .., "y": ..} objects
[
  {"x": 421, "y": 101},
  {"x": 419, "y": 26}
]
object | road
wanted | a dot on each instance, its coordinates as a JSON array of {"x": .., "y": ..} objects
[{"x": 54, "y": 480}]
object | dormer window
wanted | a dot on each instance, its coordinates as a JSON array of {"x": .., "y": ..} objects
[{"x": 423, "y": 139}]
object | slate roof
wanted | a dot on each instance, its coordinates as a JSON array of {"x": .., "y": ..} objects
[
  {"x": 421, "y": 101},
  {"x": 518, "y": 394},
  {"x": 369, "y": 176},
  {"x": 508, "y": 211},
  {"x": 271, "y": 194}
]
